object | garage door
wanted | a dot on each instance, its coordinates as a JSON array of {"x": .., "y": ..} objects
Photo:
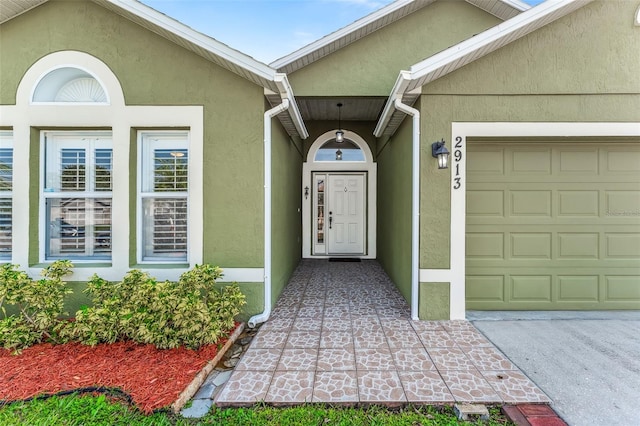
[{"x": 553, "y": 225}]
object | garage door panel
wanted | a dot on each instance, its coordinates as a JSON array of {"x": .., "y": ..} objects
[
  {"x": 530, "y": 246},
  {"x": 623, "y": 161},
  {"x": 578, "y": 161},
  {"x": 623, "y": 204},
  {"x": 578, "y": 245},
  {"x": 578, "y": 288},
  {"x": 485, "y": 203},
  {"x": 529, "y": 161},
  {"x": 580, "y": 203},
  {"x": 529, "y": 288},
  {"x": 622, "y": 245},
  {"x": 530, "y": 203},
  {"x": 555, "y": 226},
  {"x": 485, "y": 288},
  {"x": 622, "y": 288},
  {"x": 485, "y": 245},
  {"x": 487, "y": 162}
]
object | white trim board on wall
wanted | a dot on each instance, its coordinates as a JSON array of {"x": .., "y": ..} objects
[{"x": 460, "y": 132}]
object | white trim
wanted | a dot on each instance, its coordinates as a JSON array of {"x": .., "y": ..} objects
[
  {"x": 456, "y": 274},
  {"x": 120, "y": 119},
  {"x": 240, "y": 275},
  {"x": 636, "y": 20},
  {"x": 310, "y": 166}
]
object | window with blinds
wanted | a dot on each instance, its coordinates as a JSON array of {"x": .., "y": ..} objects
[
  {"x": 77, "y": 195},
  {"x": 6, "y": 195},
  {"x": 164, "y": 196}
]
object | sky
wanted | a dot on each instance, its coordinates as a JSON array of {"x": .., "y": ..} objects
[{"x": 268, "y": 29}]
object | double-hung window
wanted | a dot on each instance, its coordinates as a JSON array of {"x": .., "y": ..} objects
[
  {"x": 77, "y": 195},
  {"x": 163, "y": 197},
  {"x": 6, "y": 194}
]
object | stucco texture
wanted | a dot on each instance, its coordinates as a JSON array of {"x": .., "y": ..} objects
[{"x": 369, "y": 66}]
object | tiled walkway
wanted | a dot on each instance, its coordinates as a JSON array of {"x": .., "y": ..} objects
[{"x": 341, "y": 333}]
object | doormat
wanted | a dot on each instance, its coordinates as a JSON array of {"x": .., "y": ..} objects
[{"x": 344, "y": 259}]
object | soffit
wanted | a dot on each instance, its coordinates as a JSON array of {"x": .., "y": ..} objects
[
  {"x": 503, "y": 9},
  {"x": 13, "y": 8},
  {"x": 353, "y": 109}
]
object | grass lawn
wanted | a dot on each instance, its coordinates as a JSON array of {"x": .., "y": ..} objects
[{"x": 99, "y": 410}]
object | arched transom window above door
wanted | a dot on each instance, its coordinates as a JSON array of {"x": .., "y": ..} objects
[
  {"x": 343, "y": 151},
  {"x": 354, "y": 149}
]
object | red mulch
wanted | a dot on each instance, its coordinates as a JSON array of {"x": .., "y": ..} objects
[{"x": 154, "y": 378}]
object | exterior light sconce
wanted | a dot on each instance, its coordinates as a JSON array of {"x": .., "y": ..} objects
[
  {"x": 306, "y": 192},
  {"x": 338, "y": 155},
  {"x": 339, "y": 133},
  {"x": 439, "y": 151}
]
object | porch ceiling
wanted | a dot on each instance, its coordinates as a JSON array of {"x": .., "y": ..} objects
[{"x": 353, "y": 109}]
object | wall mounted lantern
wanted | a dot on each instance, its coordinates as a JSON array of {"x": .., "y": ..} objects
[
  {"x": 439, "y": 151},
  {"x": 306, "y": 192},
  {"x": 339, "y": 133},
  {"x": 338, "y": 155}
]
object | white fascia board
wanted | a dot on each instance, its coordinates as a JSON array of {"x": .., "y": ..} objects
[
  {"x": 492, "y": 35},
  {"x": 286, "y": 92},
  {"x": 398, "y": 90},
  {"x": 336, "y": 35},
  {"x": 197, "y": 38}
]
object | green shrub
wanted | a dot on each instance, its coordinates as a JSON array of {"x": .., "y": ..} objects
[
  {"x": 39, "y": 303},
  {"x": 191, "y": 312}
]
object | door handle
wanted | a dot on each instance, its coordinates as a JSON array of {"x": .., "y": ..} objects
[{"x": 330, "y": 219}]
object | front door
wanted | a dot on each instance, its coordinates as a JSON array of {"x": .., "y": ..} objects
[{"x": 340, "y": 213}]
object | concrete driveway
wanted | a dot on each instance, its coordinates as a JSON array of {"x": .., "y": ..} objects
[{"x": 588, "y": 363}]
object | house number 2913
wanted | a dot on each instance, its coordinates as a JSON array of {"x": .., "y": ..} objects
[{"x": 457, "y": 158}]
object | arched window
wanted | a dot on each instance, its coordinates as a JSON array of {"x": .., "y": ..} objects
[
  {"x": 70, "y": 85},
  {"x": 344, "y": 151}
]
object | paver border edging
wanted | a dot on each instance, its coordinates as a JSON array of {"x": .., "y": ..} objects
[{"x": 202, "y": 375}]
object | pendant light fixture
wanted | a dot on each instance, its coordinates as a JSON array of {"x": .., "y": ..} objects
[{"x": 339, "y": 133}]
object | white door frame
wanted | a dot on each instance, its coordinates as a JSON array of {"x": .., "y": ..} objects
[{"x": 311, "y": 166}]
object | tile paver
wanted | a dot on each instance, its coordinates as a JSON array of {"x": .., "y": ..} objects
[{"x": 341, "y": 333}]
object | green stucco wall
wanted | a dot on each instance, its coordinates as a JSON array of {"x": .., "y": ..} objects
[
  {"x": 394, "y": 208},
  {"x": 146, "y": 66},
  {"x": 369, "y": 67},
  {"x": 434, "y": 301},
  {"x": 154, "y": 71},
  {"x": 286, "y": 208}
]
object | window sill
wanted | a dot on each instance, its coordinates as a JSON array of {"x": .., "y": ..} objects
[
  {"x": 160, "y": 266},
  {"x": 76, "y": 264}
]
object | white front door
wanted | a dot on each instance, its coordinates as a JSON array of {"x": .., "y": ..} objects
[{"x": 342, "y": 213}]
